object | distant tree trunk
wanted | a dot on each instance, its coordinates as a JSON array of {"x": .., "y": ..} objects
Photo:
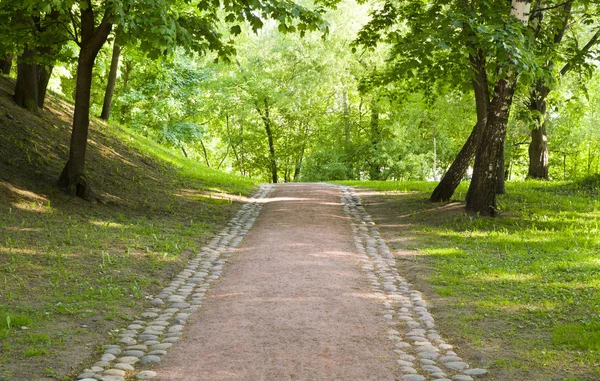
[
  {"x": 267, "y": 122},
  {"x": 375, "y": 167},
  {"x": 126, "y": 74},
  {"x": 346, "y": 118},
  {"x": 453, "y": 176},
  {"x": 481, "y": 197},
  {"x": 205, "y": 153},
  {"x": 183, "y": 150},
  {"x": 6, "y": 64},
  {"x": 26, "y": 88},
  {"x": 298, "y": 166},
  {"x": 44, "y": 73},
  {"x": 538, "y": 148},
  {"x": 112, "y": 80},
  {"x": 72, "y": 177}
]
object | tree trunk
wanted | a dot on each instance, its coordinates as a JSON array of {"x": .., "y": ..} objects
[
  {"x": 26, "y": 88},
  {"x": 72, "y": 177},
  {"x": 267, "y": 122},
  {"x": 481, "y": 197},
  {"x": 44, "y": 73},
  {"x": 205, "y": 153},
  {"x": 126, "y": 74},
  {"x": 375, "y": 167},
  {"x": 501, "y": 175},
  {"x": 112, "y": 80},
  {"x": 453, "y": 176},
  {"x": 538, "y": 154},
  {"x": 6, "y": 64}
]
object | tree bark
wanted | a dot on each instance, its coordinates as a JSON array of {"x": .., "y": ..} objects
[
  {"x": 6, "y": 64},
  {"x": 72, "y": 177},
  {"x": 26, "y": 88},
  {"x": 205, "y": 153},
  {"x": 44, "y": 73},
  {"x": 112, "y": 80},
  {"x": 267, "y": 122},
  {"x": 538, "y": 154},
  {"x": 453, "y": 176},
  {"x": 375, "y": 167},
  {"x": 126, "y": 74},
  {"x": 481, "y": 197}
]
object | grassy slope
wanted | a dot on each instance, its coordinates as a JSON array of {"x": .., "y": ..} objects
[
  {"x": 70, "y": 271},
  {"x": 520, "y": 293}
]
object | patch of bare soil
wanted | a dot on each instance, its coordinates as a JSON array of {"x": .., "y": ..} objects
[{"x": 292, "y": 305}]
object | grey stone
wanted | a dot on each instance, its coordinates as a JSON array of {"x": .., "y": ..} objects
[
  {"x": 170, "y": 339},
  {"x": 462, "y": 377},
  {"x": 146, "y": 374},
  {"x": 456, "y": 365},
  {"x": 128, "y": 359},
  {"x": 163, "y": 346},
  {"x": 413, "y": 377},
  {"x": 86, "y": 375},
  {"x": 123, "y": 366},
  {"x": 108, "y": 357},
  {"x": 115, "y": 372},
  {"x": 409, "y": 370},
  {"x": 147, "y": 337},
  {"x": 149, "y": 315},
  {"x": 150, "y": 359},
  {"x": 133, "y": 352},
  {"x": 128, "y": 341},
  {"x": 475, "y": 372},
  {"x": 113, "y": 351},
  {"x": 404, "y": 363},
  {"x": 112, "y": 378},
  {"x": 139, "y": 347},
  {"x": 431, "y": 368},
  {"x": 158, "y": 352}
]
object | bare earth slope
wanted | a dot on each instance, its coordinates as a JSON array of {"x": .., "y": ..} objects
[{"x": 293, "y": 305}]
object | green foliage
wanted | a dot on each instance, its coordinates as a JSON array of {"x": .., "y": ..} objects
[{"x": 326, "y": 165}]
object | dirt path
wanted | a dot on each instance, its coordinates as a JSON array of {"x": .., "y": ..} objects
[{"x": 293, "y": 304}]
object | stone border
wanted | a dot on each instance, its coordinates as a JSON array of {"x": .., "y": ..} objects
[
  {"x": 422, "y": 354},
  {"x": 152, "y": 333}
]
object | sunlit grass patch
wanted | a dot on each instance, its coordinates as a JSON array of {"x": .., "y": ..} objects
[{"x": 524, "y": 286}]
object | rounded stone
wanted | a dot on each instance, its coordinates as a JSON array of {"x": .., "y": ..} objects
[
  {"x": 150, "y": 359},
  {"x": 162, "y": 346},
  {"x": 123, "y": 366},
  {"x": 115, "y": 372},
  {"x": 134, "y": 352},
  {"x": 87, "y": 379},
  {"x": 404, "y": 363},
  {"x": 456, "y": 365},
  {"x": 475, "y": 372},
  {"x": 158, "y": 352},
  {"x": 413, "y": 377},
  {"x": 170, "y": 339},
  {"x": 113, "y": 378},
  {"x": 108, "y": 357},
  {"x": 113, "y": 351},
  {"x": 128, "y": 359},
  {"x": 462, "y": 377}
]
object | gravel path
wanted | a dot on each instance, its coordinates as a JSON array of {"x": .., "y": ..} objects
[{"x": 309, "y": 293}]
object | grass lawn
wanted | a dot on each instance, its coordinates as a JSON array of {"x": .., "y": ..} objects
[
  {"x": 519, "y": 293},
  {"x": 71, "y": 271}
]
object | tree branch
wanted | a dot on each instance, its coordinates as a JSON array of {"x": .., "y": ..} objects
[{"x": 583, "y": 50}]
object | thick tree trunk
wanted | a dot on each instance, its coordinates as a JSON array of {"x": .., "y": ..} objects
[
  {"x": 453, "y": 176},
  {"x": 26, "y": 88},
  {"x": 72, "y": 177},
  {"x": 538, "y": 154},
  {"x": 112, "y": 80},
  {"x": 538, "y": 148},
  {"x": 6, "y": 64},
  {"x": 44, "y": 73},
  {"x": 481, "y": 197}
]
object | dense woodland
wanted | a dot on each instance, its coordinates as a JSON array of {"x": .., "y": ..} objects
[{"x": 324, "y": 90}]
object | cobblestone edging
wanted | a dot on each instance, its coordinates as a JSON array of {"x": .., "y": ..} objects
[
  {"x": 151, "y": 335},
  {"x": 422, "y": 353}
]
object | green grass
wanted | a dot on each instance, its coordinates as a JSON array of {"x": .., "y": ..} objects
[
  {"x": 528, "y": 280},
  {"x": 71, "y": 270}
]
